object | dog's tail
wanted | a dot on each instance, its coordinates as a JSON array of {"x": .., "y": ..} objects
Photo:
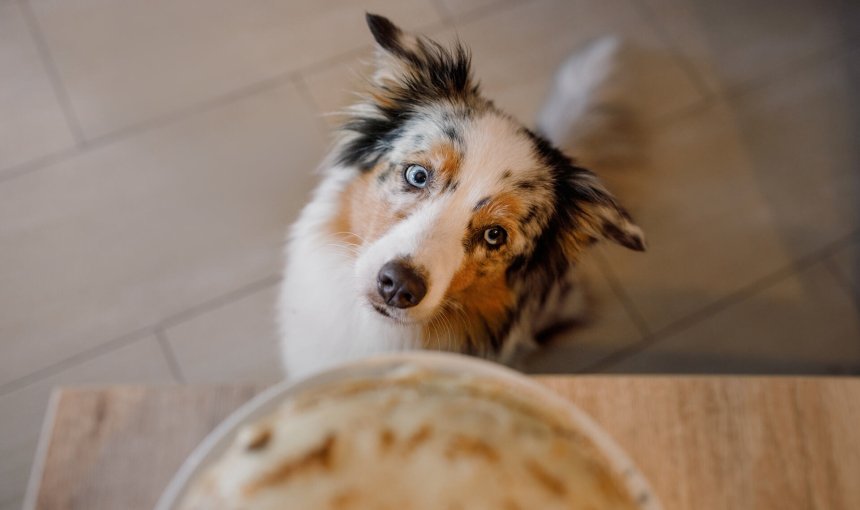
[{"x": 588, "y": 112}]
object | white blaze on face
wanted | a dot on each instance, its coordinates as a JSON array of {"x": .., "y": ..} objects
[{"x": 431, "y": 236}]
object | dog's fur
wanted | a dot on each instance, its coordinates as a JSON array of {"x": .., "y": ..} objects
[{"x": 486, "y": 170}]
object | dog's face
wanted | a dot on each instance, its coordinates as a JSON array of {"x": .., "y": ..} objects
[{"x": 457, "y": 210}]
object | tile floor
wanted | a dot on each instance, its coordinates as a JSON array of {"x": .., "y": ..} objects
[{"x": 152, "y": 153}]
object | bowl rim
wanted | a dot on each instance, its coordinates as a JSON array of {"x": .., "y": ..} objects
[{"x": 264, "y": 403}]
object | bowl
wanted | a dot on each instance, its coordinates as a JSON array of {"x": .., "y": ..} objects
[{"x": 216, "y": 443}]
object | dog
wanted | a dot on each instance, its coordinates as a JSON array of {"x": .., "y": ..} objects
[{"x": 440, "y": 221}]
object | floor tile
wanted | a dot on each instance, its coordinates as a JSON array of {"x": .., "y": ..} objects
[
  {"x": 737, "y": 191},
  {"x": 737, "y": 42},
  {"x": 460, "y": 8},
  {"x": 801, "y": 134},
  {"x": 847, "y": 265},
  {"x": 805, "y": 323},
  {"x": 31, "y": 120},
  {"x": 608, "y": 329},
  {"x": 335, "y": 87},
  {"x": 22, "y": 409},
  {"x": 517, "y": 50},
  {"x": 709, "y": 228},
  {"x": 125, "y": 62},
  {"x": 237, "y": 342},
  {"x": 124, "y": 236}
]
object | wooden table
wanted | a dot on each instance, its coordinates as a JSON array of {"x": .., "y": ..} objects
[{"x": 704, "y": 442}]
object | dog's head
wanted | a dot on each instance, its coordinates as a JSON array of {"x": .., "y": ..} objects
[{"x": 458, "y": 211}]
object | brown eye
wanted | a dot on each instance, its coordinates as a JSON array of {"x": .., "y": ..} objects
[{"x": 495, "y": 236}]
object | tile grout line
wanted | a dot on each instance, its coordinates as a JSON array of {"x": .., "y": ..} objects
[
  {"x": 76, "y": 359},
  {"x": 138, "y": 334},
  {"x": 167, "y": 119},
  {"x": 169, "y": 355},
  {"x": 650, "y": 18},
  {"x": 730, "y": 95},
  {"x": 262, "y": 85},
  {"x": 60, "y": 92},
  {"x": 191, "y": 110},
  {"x": 804, "y": 63},
  {"x": 199, "y": 107},
  {"x": 228, "y": 97},
  {"x": 304, "y": 91},
  {"x": 219, "y": 301},
  {"x": 37, "y": 163},
  {"x": 622, "y": 295},
  {"x": 843, "y": 281},
  {"x": 715, "y": 307}
]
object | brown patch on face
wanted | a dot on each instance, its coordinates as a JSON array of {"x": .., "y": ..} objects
[
  {"x": 445, "y": 160},
  {"x": 480, "y": 296},
  {"x": 483, "y": 299},
  {"x": 487, "y": 295},
  {"x": 364, "y": 214},
  {"x": 364, "y": 211},
  {"x": 500, "y": 209}
]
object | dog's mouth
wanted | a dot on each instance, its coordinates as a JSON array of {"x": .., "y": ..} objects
[
  {"x": 382, "y": 311},
  {"x": 392, "y": 314}
]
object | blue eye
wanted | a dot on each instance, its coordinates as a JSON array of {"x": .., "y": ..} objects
[{"x": 417, "y": 176}]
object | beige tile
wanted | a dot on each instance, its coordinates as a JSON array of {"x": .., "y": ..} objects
[
  {"x": 22, "y": 409},
  {"x": 31, "y": 120},
  {"x": 847, "y": 264},
  {"x": 710, "y": 230},
  {"x": 608, "y": 330},
  {"x": 801, "y": 133},
  {"x": 736, "y": 42},
  {"x": 123, "y": 236},
  {"x": 516, "y": 51},
  {"x": 335, "y": 87},
  {"x": 804, "y": 323},
  {"x": 739, "y": 190},
  {"x": 125, "y": 62},
  {"x": 233, "y": 343},
  {"x": 460, "y": 8}
]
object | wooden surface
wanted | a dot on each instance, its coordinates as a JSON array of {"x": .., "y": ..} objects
[{"x": 704, "y": 442}]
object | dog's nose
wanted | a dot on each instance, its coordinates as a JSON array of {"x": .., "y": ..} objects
[{"x": 400, "y": 285}]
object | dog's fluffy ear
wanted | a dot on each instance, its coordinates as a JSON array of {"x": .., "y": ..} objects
[
  {"x": 416, "y": 68},
  {"x": 601, "y": 217},
  {"x": 394, "y": 48},
  {"x": 388, "y": 36}
]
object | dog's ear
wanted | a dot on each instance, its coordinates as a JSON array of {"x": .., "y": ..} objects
[
  {"x": 599, "y": 216},
  {"x": 395, "y": 49},
  {"x": 388, "y": 36},
  {"x": 417, "y": 67}
]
